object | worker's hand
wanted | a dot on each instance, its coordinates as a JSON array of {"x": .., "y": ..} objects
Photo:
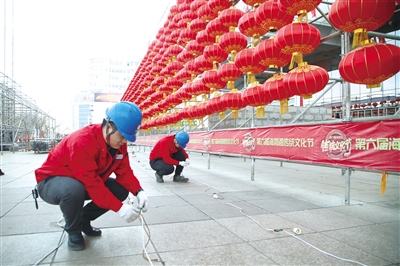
[
  {"x": 183, "y": 163},
  {"x": 143, "y": 201},
  {"x": 187, "y": 162},
  {"x": 128, "y": 212}
]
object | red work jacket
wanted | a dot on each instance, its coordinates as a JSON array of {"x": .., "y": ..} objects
[
  {"x": 164, "y": 149},
  {"x": 84, "y": 155}
]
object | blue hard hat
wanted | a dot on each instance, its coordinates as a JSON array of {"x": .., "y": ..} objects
[
  {"x": 127, "y": 117},
  {"x": 182, "y": 138}
]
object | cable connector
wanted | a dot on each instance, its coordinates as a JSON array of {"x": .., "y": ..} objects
[
  {"x": 297, "y": 231},
  {"x": 215, "y": 196}
]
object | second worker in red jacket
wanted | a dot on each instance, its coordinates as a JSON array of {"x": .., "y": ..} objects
[{"x": 169, "y": 152}]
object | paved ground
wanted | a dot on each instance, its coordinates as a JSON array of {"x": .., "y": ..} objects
[{"x": 189, "y": 226}]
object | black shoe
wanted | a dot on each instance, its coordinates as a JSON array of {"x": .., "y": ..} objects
[
  {"x": 88, "y": 230},
  {"x": 180, "y": 178},
  {"x": 1, "y": 172},
  {"x": 159, "y": 178},
  {"x": 76, "y": 242}
]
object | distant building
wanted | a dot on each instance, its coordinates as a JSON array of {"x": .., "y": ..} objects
[{"x": 108, "y": 80}]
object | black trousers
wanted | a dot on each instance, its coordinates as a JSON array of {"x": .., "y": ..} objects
[
  {"x": 163, "y": 168},
  {"x": 70, "y": 194}
]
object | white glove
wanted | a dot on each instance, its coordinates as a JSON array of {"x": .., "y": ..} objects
[
  {"x": 143, "y": 201},
  {"x": 187, "y": 162},
  {"x": 183, "y": 163},
  {"x": 128, "y": 212}
]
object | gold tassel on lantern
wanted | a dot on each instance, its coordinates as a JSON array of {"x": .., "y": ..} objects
[
  {"x": 296, "y": 58},
  {"x": 383, "y": 182},
  {"x": 284, "y": 106},
  {"x": 359, "y": 37},
  {"x": 235, "y": 114},
  {"x": 221, "y": 115},
  {"x": 260, "y": 111}
]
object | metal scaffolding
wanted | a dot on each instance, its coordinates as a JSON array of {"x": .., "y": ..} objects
[{"x": 21, "y": 119}]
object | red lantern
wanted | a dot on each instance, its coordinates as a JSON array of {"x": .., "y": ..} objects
[
  {"x": 249, "y": 64},
  {"x": 183, "y": 76},
  {"x": 370, "y": 64},
  {"x": 196, "y": 4},
  {"x": 184, "y": 57},
  {"x": 271, "y": 17},
  {"x": 182, "y": 93},
  {"x": 270, "y": 56},
  {"x": 219, "y": 5},
  {"x": 232, "y": 43},
  {"x": 274, "y": 86},
  {"x": 206, "y": 14},
  {"x": 197, "y": 25},
  {"x": 212, "y": 80},
  {"x": 249, "y": 27},
  {"x": 298, "y": 7},
  {"x": 230, "y": 17},
  {"x": 202, "y": 64},
  {"x": 214, "y": 54},
  {"x": 305, "y": 80},
  {"x": 214, "y": 105},
  {"x": 204, "y": 39},
  {"x": 198, "y": 88},
  {"x": 194, "y": 48},
  {"x": 360, "y": 16},
  {"x": 174, "y": 83},
  {"x": 257, "y": 96},
  {"x": 233, "y": 101},
  {"x": 229, "y": 73},
  {"x": 297, "y": 39},
  {"x": 192, "y": 68},
  {"x": 254, "y": 3},
  {"x": 215, "y": 28},
  {"x": 186, "y": 36}
]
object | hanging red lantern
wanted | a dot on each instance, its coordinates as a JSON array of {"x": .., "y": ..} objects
[
  {"x": 254, "y": 3},
  {"x": 257, "y": 96},
  {"x": 202, "y": 64},
  {"x": 165, "y": 90},
  {"x": 206, "y": 14},
  {"x": 175, "y": 36},
  {"x": 172, "y": 69},
  {"x": 274, "y": 86},
  {"x": 249, "y": 64},
  {"x": 215, "y": 29},
  {"x": 230, "y": 17},
  {"x": 198, "y": 88},
  {"x": 270, "y": 56},
  {"x": 185, "y": 36},
  {"x": 297, "y": 39},
  {"x": 219, "y": 5},
  {"x": 183, "y": 76},
  {"x": 229, "y": 73},
  {"x": 305, "y": 80},
  {"x": 182, "y": 93},
  {"x": 194, "y": 48},
  {"x": 174, "y": 83},
  {"x": 233, "y": 101},
  {"x": 214, "y": 105},
  {"x": 360, "y": 16},
  {"x": 249, "y": 27},
  {"x": 232, "y": 43},
  {"x": 197, "y": 25},
  {"x": 196, "y": 4},
  {"x": 188, "y": 15},
  {"x": 212, "y": 80},
  {"x": 370, "y": 64},
  {"x": 214, "y": 54},
  {"x": 192, "y": 68},
  {"x": 298, "y": 7},
  {"x": 204, "y": 39},
  {"x": 184, "y": 57},
  {"x": 172, "y": 52},
  {"x": 269, "y": 16}
]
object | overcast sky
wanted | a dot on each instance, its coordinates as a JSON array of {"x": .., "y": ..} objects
[{"x": 47, "y": 44}]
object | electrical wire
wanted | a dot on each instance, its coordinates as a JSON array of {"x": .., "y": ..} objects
[
  {"x": 56, "y": 248},
  {"x": 294, "y": 230}
]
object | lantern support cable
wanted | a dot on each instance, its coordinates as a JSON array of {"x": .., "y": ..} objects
[
  {"x": 383, "y": 35},
  {"x": 313, "y": 103}
]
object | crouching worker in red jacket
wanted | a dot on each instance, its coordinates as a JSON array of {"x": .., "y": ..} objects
[
  {"x": 79, "y": 169},
  {"x": 169, "y": 152}
]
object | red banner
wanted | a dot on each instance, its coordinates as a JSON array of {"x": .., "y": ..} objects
[{"x": 368, "y": 145}]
